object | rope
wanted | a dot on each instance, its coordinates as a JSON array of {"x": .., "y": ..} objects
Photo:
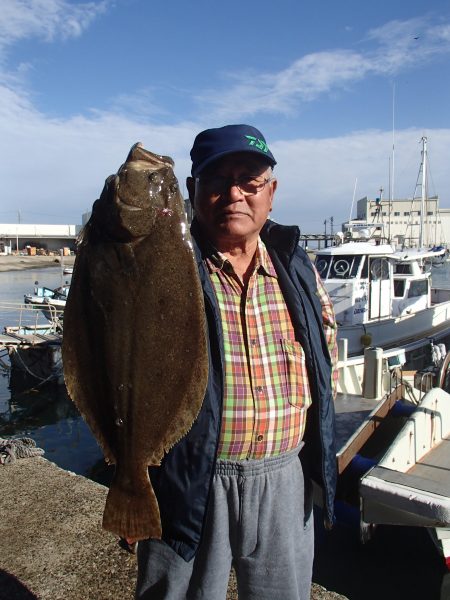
[
  {"x": 12, "y": 449},
  {"x": 54, "y": 374}
]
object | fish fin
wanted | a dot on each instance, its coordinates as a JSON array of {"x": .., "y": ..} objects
[{"x": 132, "y": 514}]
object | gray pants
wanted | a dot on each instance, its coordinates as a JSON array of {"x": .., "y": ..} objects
[{"x": 255, "y": 522}]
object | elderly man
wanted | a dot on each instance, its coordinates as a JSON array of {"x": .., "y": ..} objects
[{"x": 236, "y": 489}]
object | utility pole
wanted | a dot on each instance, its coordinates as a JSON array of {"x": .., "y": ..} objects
[{"x": 326, "y": 241}]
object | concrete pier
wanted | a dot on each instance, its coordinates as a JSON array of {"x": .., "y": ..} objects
[{"x": 52, "y": 546}]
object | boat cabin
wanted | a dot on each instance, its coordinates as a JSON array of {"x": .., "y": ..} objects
[{"x": 369, "y": 282}]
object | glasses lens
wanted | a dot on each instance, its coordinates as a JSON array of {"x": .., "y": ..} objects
[
  {"x": 251, "y": 185},
  {"x": 248, "y": 184}
]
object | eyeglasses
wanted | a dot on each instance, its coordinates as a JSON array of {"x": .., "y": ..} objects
[{"x": 248, "y": 185}]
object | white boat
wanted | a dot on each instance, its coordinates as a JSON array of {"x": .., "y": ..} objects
[
  {"x": 42, "y": 294},
  {"x": 410, "y": 485},
  {"x": 383, "y": 297},
  {"x": 393, "y": 432}
]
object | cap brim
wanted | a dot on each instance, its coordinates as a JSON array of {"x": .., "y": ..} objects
[{"x": 268, "y": 159}]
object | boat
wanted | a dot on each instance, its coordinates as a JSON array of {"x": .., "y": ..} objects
[
  {"x": 51, "y": 302},
  {"x": 42, "y": 294},
  {"x": 383, "y": 297},
  {"x": 393, "y": 430}
]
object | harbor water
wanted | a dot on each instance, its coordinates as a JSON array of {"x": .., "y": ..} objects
[
  {"x": 39, "y": 410},
  {"x": 399, "y": 563}
]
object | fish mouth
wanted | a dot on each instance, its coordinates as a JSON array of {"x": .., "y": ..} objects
[{"x": 128, "y": 207}]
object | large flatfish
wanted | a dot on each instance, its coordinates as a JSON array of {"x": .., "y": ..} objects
[{"x": 134, "y": 344}]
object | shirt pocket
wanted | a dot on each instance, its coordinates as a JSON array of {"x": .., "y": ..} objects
[{"x": 296, "y": 375}]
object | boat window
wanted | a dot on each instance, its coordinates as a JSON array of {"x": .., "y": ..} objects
[
  {"x": 379, "y": 269},
  {"x": 402, "y": 269},
  {"x": 322, "y": 263},
  {"x": 344, "y": 267},
  {"x": 418, "y": 288},
  {"x": 338, "y": 267},
  {"x": 399, "y": 288}
]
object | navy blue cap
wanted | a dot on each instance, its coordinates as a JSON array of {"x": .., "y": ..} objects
[{"x": 211, "y": 144}]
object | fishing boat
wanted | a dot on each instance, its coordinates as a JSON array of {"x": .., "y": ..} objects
[
  {"x": 383, "y": 296},
  {"x": 42, "y": 294},
  {"x": 51, "y": 302}
]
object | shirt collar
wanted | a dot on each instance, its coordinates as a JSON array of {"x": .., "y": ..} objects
[{"x": 218, "y": 262}]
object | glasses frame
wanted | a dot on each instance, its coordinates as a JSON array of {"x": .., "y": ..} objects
[{"x": 229, "y": 182}]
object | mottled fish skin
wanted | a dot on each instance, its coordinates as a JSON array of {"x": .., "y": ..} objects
[{"x": 134, "y": 346}]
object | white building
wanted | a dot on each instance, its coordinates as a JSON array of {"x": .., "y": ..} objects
[
  {"x": 400, "y": 220},
  {"x": 17, "y": 236}
]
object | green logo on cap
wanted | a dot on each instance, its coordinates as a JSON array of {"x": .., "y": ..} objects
[{"x": 260, "y": 144}]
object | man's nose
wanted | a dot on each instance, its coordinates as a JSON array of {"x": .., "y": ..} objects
[{"x": 234, "y": 193}]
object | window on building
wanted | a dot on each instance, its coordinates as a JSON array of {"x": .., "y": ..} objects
[
  {"x": 430, "y": 213},
  {"x": 406, "y": 214},
  {"x": 396, "y": 214}
]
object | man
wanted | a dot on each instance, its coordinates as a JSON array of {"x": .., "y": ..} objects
[{"x": 232, "y": 491}]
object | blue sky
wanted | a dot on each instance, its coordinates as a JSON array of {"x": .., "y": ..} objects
[{"x": 80, "y": 82}]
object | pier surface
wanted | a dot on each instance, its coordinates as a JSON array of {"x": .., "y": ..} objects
[
  {"x": 53, "y": 546},
  {"x": 12, "y": 262}
]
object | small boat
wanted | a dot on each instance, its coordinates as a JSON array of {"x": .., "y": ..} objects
[
  {"x": 393, "y": 432},
  {"x": 43, "y": 294},
  {"x": 67, "y": 270}
]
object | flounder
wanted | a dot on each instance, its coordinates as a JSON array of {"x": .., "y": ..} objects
[{"x": 134, "y": 345}]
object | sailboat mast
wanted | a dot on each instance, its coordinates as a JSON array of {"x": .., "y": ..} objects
[{"x": 424, "y": 188}]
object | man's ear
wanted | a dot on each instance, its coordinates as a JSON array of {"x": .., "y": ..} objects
[{"x": 190, "y": 184}]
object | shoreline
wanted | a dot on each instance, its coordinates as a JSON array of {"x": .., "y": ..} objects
[{"x": 18, "y": 263}]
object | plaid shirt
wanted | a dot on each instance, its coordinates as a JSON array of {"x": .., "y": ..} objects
[{"x": 266, "y": 388}]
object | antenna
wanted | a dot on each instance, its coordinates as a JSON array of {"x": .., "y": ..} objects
[
  {"x": 353, "y": 201},
  {"x": 391, "y": 191}
]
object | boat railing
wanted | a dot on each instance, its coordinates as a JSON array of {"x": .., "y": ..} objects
[{"x": 28, "y": 319}]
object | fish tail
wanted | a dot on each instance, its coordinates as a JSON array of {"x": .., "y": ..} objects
[{"x": 132, "y": 513}]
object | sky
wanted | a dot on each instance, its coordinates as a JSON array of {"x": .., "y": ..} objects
[{"x": 343, "y": 92}]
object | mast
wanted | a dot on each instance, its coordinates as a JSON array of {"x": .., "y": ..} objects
[{"x": 424, "y": 188}]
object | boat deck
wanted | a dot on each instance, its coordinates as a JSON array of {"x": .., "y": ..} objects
[
  {"x": 356, "y": 420},
  {"x": 430, "y": 474}
]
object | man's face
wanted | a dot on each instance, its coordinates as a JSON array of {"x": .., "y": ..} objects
[{"x": 232, "y": 198}]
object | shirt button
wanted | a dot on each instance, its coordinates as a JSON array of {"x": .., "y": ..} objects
[
  {"x": 260, "y": 437},
  {"x": 259, "y": 389},
  {"x": 253, "y": 342}
]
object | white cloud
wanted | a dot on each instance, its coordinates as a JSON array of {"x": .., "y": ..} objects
[
  {"x": 317, "y": 177},
  {"x": 396, "y": 49},
  {"x": 45, "y": 19},
  {"x": 53, "y": 169}
]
